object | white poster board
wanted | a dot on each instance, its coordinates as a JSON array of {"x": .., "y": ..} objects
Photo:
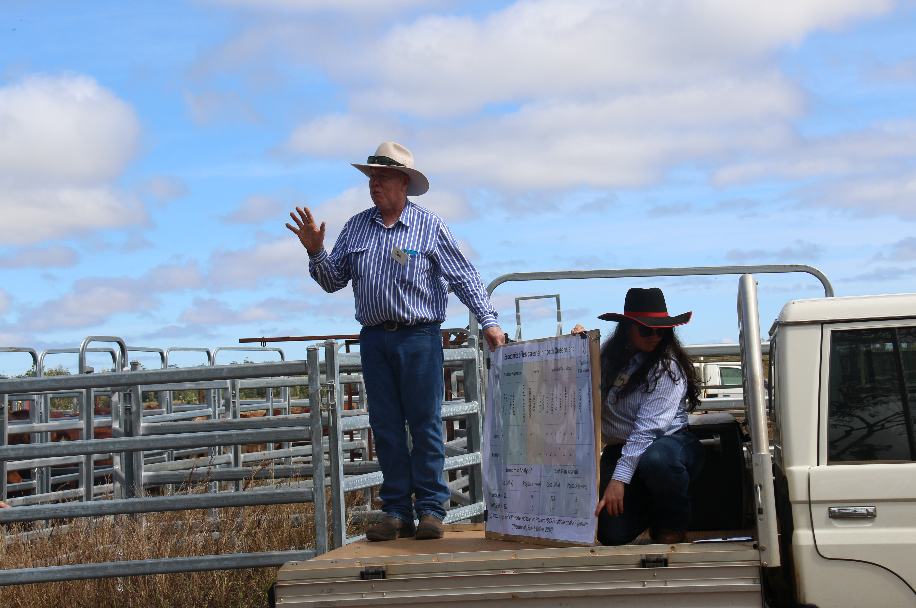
[{"x": 540, "y": 460}]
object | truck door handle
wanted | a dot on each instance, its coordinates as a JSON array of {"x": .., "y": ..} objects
[{"x": 851, "y": 512}]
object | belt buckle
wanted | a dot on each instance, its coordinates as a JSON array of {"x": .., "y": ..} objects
[{"x": 390, "y": 325}]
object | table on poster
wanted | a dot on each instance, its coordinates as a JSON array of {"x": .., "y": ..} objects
[{"x": 540, "y": 441}]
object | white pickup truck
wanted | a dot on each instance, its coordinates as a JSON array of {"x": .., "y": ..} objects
[
  {"x": 720, "y": 379},
  {"x": 832, "y": 512}
]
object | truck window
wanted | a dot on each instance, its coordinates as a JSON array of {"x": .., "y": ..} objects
[
  {"x": 731, "y": 376},
  {"x": 869, "y": 404}
]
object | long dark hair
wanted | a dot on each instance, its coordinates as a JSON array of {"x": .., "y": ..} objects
[{"x": 615, "y": 356}]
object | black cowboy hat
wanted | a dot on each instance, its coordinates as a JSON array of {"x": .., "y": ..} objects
[{"x": 647, "y": 307}]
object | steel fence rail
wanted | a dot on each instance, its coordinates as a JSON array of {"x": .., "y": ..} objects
[
  {"x": 154, "y": 442},
  {"x": 171, "y": 428},
  {"x": 153, "y": 376},
  {"x": 170, "y": 565},
  {"x": 374, "y": 479},
  {"x": 237, "y": 473},
  {"x": 156, "y": 504}
]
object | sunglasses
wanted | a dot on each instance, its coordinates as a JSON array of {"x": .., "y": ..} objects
[
  {"x": 383, "y": 160},
  {"x": 645, "y": 332}
]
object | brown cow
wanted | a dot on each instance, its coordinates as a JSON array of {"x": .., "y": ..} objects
[{"x": 68, "y": 435}]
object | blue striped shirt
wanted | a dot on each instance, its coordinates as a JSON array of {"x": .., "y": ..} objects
[
  {"x": 640, "y": 418},
  {"x": 416, "y": 292}
]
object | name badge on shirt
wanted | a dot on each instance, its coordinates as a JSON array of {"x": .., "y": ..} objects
[
  {"x": 399, "y": 255},
  {"x": 621, "y": 380}
]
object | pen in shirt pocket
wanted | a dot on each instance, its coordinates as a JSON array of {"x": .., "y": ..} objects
[{"x": 410, "y": 252}]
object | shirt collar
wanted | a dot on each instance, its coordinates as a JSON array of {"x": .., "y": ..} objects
[
  {"x": 637, "y": 359},
  {"x": 407, "y": 215}
]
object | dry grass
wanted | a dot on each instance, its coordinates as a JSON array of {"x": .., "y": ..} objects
[{"x": 156, "y": 535}]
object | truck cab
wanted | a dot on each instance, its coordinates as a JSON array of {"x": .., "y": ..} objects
[{"x": 843, "y": 373}]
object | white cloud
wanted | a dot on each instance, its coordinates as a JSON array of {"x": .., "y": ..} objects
[
  {"x": 890, "y": 190},
  {"x": 628, "y": 141},
  {"x": 41, "y": 257},
  {"x": 882, "y": 274},
  {"x": 172, "y": 277},
  {"x": 211, "y": 107},
  {"x": 798, "y": 251},
  {"x": 92, "y": 300},
  {"x": 180, "y": 332},
  {"x": 449, "y": 205},
  {"x": 35, "y": 214},
  {"x": 903, "y": 250},
  {"x": 163, "y": 188},
  {"x": 257, "y": 208},
  {"x": 852, "y": 152},
  {"x": 344, "y": 135},
  {"x": 563, "y": 49},
  {"x": 90, "y": 303},
  {"x": 210, "y": 311},
  {"x": 67, "y": 128},
  {"x": 5, "y": 302},
  {"x": 551, "y": 94},
  {"x": 63, "y": 140},
  {"x": 335, "y": 211},
  {"x": 321, "y": 5},
  {"x": 251, "y": 267}
]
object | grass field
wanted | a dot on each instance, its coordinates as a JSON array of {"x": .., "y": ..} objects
[{"x": 156, "y": 535}]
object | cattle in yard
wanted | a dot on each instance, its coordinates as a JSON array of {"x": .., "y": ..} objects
[
  {"x": 23, "y": 438},
  {"x": 62, "y": 435},
  {"x": 103, "y": 432},
  {"x": 263, "y": 447}
]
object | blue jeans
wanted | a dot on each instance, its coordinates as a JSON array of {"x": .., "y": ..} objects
[
  {"x": 657, "y": 495},
  {"x": 402, "y": 370}
]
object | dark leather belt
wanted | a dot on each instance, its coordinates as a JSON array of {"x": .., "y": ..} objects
[
  {"x": 389, "y": 325},
  {"x": 395, "y": 325}
]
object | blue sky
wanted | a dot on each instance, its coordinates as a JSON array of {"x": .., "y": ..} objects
[{"x": 150, "y": 154}]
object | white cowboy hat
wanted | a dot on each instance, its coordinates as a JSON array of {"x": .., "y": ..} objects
[{"x": 390, "y": 155}]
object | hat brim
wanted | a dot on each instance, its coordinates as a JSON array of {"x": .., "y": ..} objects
[
  {"x": 682, "y": 319},
  {"x": 418, "y": 182}
]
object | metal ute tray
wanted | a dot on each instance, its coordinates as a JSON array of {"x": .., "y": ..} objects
[{"x": 467, "y": 568}]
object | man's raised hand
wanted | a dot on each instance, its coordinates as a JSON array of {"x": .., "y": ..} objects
[{"x": 310, "y": 235}]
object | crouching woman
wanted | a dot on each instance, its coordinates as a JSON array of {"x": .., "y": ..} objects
[{"x": 648, "y": 384}]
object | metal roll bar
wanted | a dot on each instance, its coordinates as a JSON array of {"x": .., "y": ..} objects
[{"x": 652, "y": 272}]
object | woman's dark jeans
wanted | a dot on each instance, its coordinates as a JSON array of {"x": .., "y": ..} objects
[{"x": 657, "y": 495}]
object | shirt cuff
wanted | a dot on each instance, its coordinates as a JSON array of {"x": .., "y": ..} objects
[
  {"x": 487, "y": 321},
  {"x": 319, "y": 257},
  {"x": 622, "y": 473}
]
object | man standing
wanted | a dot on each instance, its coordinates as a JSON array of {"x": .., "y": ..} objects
[{"x": 401, "y": 258}]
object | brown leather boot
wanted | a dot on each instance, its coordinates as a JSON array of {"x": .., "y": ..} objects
[
  {"x": 391, "y": 528},
  {"x": 429, "y": 527},
  {"x": 660, "y": 536}
]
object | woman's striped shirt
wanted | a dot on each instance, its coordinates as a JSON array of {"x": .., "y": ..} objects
[{"x": 639, "y": 418}]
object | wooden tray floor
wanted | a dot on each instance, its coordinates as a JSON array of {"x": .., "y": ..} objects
[{"x": 469, "y": 538}]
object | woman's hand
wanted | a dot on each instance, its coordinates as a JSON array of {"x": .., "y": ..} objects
[
  {"x": 578, "y": 329},
  {"x": 612, "y": 499}
]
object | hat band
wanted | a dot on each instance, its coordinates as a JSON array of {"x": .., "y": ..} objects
[
  {"x": 645, "y": 314},
  {"x": 383, "y": 160}
]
